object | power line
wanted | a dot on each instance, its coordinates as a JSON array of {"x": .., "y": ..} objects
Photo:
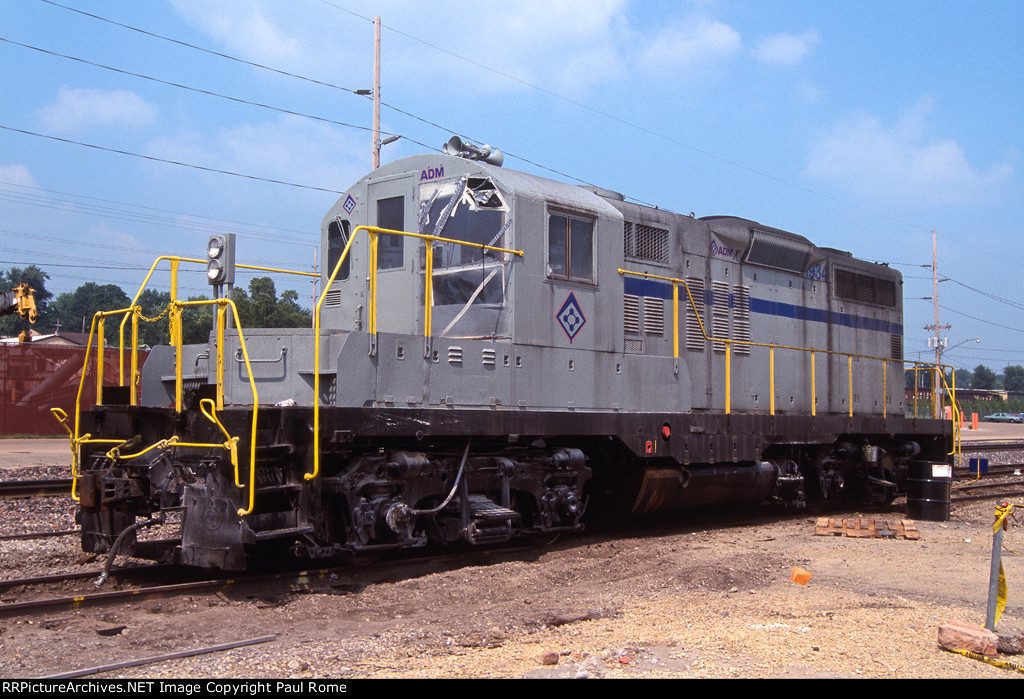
[
  {"x": 168, "y": 161},
  {"x": 196, "y": 221},
  {"x": 200, "y": 48},
  {"x": 181, "y": 86},
  {"x": 981, "y": 320}
]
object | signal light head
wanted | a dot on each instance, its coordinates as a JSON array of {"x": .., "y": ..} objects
[{"x": 220, "y": 259}]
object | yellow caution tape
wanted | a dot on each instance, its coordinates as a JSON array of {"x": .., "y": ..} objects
[
  {"x": 1005, "y": 664},
  {"x": 1003, "y": 511},
  {"x": 1001, "y": 600}
]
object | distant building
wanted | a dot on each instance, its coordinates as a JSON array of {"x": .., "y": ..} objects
[{"x": 62, "y": 338}]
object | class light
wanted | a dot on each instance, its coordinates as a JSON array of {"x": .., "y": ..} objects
[{"x": 220, "y": 259}]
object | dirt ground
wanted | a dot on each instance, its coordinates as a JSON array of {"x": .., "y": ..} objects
[{"x": 690, "y": 599}]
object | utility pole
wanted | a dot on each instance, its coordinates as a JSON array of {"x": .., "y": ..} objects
[
  {"x": 937, "y": 378},
  {"x": 376, "y": 92}
]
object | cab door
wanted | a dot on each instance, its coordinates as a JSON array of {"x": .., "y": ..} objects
[{"x": 391, "y": 205}]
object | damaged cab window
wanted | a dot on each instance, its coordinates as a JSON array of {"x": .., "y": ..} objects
[{"x": 469, "y": 282}]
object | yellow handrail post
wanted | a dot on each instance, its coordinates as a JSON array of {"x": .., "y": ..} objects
[
  {"x": 885, "y": 390},
  {"x": 99, "y": 359},
  {"x": 176, "y": 336},
  {"x": 428, "y": 288},
  {"x": 675, "y": 320},
  {"x": 728, "y": 378},
  {"x": 814, "y": 388},
  {"x": 771, "y": 380},
  {"x": 371, "y": 324},
  {"x": 134, "y": 389},
  {"x": 221, "y": 313},
  {"x": 849, "y": 371}
]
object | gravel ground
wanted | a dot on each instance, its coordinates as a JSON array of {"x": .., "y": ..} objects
[{"x": 697, "y": 599}]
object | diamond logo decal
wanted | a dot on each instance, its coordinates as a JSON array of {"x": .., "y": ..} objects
[{"x": 570, "y": 317}]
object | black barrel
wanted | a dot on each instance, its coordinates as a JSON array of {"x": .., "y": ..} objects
[{"x": 928, "y": 488}]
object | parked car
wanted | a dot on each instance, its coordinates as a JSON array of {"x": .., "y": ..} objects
[{"x": 1003, "y": 417}]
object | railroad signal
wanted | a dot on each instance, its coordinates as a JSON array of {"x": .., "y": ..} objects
[{"x": 220, "y": 259}]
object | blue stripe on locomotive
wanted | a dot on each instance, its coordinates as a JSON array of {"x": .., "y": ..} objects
[{"x": 663, "y": 290}]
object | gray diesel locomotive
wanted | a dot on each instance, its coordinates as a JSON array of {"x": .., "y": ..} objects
[{"x": 495, "y": 355}]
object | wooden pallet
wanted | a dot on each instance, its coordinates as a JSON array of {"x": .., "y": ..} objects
[{"x": 869, "y": 528}]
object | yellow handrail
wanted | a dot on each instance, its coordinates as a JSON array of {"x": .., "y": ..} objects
[
  {"x": 957, "y": 415},
  {"x": 228, "y": 303},
  {"x": 136, "y": 309},
  {"x": 771, "y": 347},
  {"x": 96, "y": 330},
  {"x": 373, "y": 232}
]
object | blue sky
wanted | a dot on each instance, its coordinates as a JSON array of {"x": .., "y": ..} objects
[{"x": 861, "y": 125}]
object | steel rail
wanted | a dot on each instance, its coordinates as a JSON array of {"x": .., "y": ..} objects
[{"x": 31, "y": 488}]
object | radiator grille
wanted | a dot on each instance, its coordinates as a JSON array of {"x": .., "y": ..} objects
[
  {"x": 741, "y": 319},
  {"x": 897, "y": 347},
  {"x": 631, "y": 314},
  {"x": 694, "y": 336},
  {"x": 645, "y": 242},
  {"x": 654, "y": 315},
  {"x": 720, "y": 313}
]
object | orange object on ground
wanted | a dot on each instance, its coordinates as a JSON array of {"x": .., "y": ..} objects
[{"x": 800, "y": 575}]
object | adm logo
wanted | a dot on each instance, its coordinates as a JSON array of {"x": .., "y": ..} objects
[
  {"x": 570, "y": 317},
  {"x": 431, "y": 173}
]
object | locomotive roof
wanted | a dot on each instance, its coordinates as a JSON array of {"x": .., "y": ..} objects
[
  {"x": 735, "y": 224},
  {"x": 434, "y": 166},
  {"x": 523, "y": 185}
]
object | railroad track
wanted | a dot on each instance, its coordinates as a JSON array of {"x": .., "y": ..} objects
[
  {"x": 987, "y": 491},
  {"x": 984, "y": 447},
  {"x": 39, "y": 535},
  {"x": 333, "y": 580},
  {"x": 36, "y": 487}
]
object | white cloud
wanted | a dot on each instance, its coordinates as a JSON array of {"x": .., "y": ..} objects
[
  {"x": 786, "y": 49},
  {"x": 244, "y": 26},
  {"x": 899, "y": 164},
  {"x": 17, "y": 175},
  {"x": 690, "y": 44},
  {"x": 567, "y": 46},
  {"x": 78, "y": 108},
  {"x": 290, "y": 149}
]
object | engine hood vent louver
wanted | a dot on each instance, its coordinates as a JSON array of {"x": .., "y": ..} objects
[{"x": 773, "y": 250}]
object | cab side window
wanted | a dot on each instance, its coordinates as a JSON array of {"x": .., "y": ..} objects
[
  {"x": 391, "y": 248},
  {"x": 570, "y": 247},
  {"x": 337, "y": 239}
]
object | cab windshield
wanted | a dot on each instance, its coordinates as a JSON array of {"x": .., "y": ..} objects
[{"x": 470, "y": 284}]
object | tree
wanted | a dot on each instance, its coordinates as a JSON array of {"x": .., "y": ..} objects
[
  {"x": 75, "y": 310},
  {"x": 196, "y": 322},
  {"x": 1013, "y": 378},
  {"x": 154, "y": 304},
  {"x": 35, "y": 278},
  {"x": 963, "y": 378},
  {"x": 983, "y": 378},
  {"x": 261, "y": 308}
]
